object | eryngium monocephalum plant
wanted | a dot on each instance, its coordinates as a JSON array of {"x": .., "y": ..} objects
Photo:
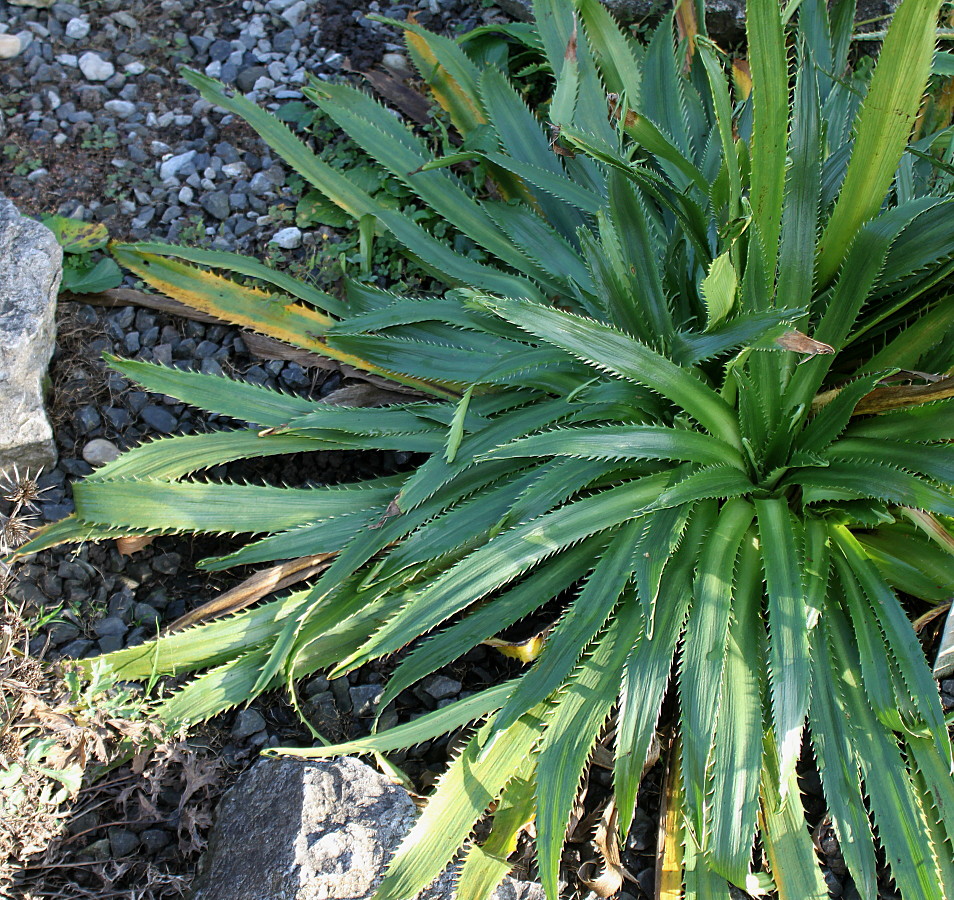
[{"x": 678, "y": 387}]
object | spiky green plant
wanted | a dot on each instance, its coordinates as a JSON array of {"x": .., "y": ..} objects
[{"x": 680, "y": 387}]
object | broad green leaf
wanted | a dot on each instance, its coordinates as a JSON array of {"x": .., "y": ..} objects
[
  {"x": 618, "y": 57},
  {"x": 216, "y": 393},
  {"x": 103, "y": 276},
  {"x": 769, "y": 67},
  {"x": 173, "y": 457},
  {"x": 217, "y": 508},
  {"x": 539, "y": 587},
  {"x": 75, "y": 235},
  {"x": 719, "y": 91},
  {"x": 900, "y": 638},
  {"x": 879, "y": 481},
  {"x": 522, "y": 547},
  {"x": 486, "y": 865},
  {"x": 800, "y": 205},
  {"x": 647, "y": 671},
  {"x": 895, "y": 810},
  {"x": 661, "y": 533},
  {"x": 838, "y": 767},
  {"x": 424, "y": 728}
]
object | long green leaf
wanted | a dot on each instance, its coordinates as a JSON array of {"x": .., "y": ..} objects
[
  {"x": 734, "y": 777},
  {"x": 607, "y": 349},
  {"x": 624, "y": 442},
  {"x": 788, "y": 843},
  {"x": 883, "y": 128},
  {"x": 704, "y": 653},
  {"x": 469, "y": 786},
  {"x": 585, "y": 617},
  {"x": 573, "y": 726},
  {"x": 522, "y": 547},
  {"x": 763, "y": 25},
  {"x": 648, "y": 668},
  {"x": 245, "y": 265},
  {"x": 218, "y": 508},
  {"x": 782, "y": 547}
]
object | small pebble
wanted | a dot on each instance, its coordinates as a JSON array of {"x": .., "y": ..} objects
[
  {"x": 99, "y": 451},
  {"x": 287, "y": 238},
  {"x": 10, "y": 46},
  {"x": 122, "y": 842},
  {"x": 77, "y": 29},
  {"x": 111, "y": 626},
  {"x": 440, "y": 687},
  {"x": 95, "y": 68},
  {"x": 247, "y": 723},
  {"x": 158, "y": 419},
  {"x": 364, "y": 698},
  {"x": 154, "y": 839}
]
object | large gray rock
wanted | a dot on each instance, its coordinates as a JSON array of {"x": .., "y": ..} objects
[
  {"x": 313, "y": 830},
  {"x": 30, "y": 269}
]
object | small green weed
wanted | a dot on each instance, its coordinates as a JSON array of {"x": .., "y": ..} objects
[{"x": 85, "y": 269}]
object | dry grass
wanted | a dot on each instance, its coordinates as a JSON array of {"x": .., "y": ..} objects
[{"x": 70, "y": 746}]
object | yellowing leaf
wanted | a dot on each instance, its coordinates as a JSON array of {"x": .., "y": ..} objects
[{"x": 525, "y": 651}]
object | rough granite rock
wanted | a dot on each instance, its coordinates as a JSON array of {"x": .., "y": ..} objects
[
  {"x": 313, "y": 830},
  {"x": 30, "y": 268}
]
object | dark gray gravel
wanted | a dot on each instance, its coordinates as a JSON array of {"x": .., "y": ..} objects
[{"x": 99, "y": 125}]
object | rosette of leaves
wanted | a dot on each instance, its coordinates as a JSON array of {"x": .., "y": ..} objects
[{"x": 694, "y": 388}]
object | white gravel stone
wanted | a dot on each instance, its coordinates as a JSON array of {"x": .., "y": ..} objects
[
  {"x": 395, "y": 61},
  {"x": 235, "y": 170},
  {"x": 95, "y": 68},
  {"x": 99, "y": 451},
  {"x": 10, "y": 46},
  {"x": 122, "y": 108},
  {"x": 67, "y": 59},
  {"x": 287, "y": 238},
  {"x": 134, "y": 68},
  {"x": 77, "y": 29}
]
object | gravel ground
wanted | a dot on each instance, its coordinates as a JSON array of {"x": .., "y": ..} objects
[{"x": 97, "y": 124}]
